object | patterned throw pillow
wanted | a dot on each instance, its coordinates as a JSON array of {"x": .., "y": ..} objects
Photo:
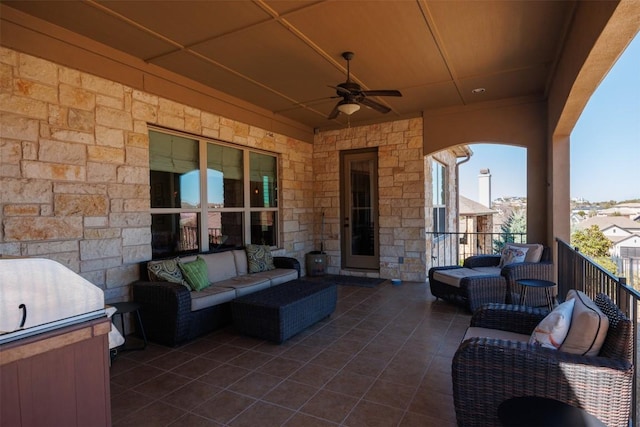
[
  {"x": 512, "y": 254},
  {"x": 196, "y": 273},
  {"x": 166, "y": 270},
  {"x": 259, "y": 258},
  {"x": 553, "y": 329}
]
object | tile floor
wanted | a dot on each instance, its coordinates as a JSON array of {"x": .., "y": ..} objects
[{"x": 383, "y": 358}]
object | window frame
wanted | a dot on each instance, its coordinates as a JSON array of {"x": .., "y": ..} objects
[
  {"x": 204, "y": 209},
  {"x": 439, "y": 210}
]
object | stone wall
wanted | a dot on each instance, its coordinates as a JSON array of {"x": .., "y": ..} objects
[{"x": 74, "y": 169}]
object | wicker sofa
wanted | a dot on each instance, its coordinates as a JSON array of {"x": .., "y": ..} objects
[
  {"x": 487, "y": 371},
  {"x": 480, "y": 280},
  {"x": 173, "y": 314}
]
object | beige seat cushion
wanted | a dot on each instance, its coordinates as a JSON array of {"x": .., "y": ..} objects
[
  {"x": 488, "y": 271},
  {"x": 588, "y": 329},
  {"x": 210, "y": 296},
  {"x": 453, "y": 276},
  {"x": 278, "y": 276},
  {"x": 474, "y": 332}
]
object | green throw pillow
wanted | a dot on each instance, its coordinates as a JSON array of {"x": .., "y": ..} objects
[
  {"x": 196, "y": 273},
  {"x": 259, "y": 258}
]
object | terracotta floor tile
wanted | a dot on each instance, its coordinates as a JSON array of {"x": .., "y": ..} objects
[
  {"x": 136, "y": 376},
  {"x": 156, "y": 414},
  {"x": 251, "y": 359},
  {"x": 262, "y": 414},
  {"x": 193, "y": 420},
  {"x": 224, "y": 406},
  {"x": 191, "y": 394},
  {"x": 196, "y": 367},
  {"x": 304, "y": 420},
  {"x": 280, "y": 367},
  {"x": 368, "y": 414},
  {"x": 390, "y": 394},
  {"x": 162, "y": 385},
  {"x": 255, "y": 385},
  {"x": 313, "y": 375},
  {"x": 224, "y": 375},
  {"x": 290, "y": 394},
  {"x": 329, "y": 406},
  {"x": 126, "y": 403},
  {"x": 172, "y": 359},
  {"x": 350, "y": 383}
]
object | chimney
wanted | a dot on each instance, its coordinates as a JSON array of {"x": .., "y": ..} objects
[{"x": 484, "y": 187}]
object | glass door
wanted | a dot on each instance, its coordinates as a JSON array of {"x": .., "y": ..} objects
[{"x": 360, "y": 210}]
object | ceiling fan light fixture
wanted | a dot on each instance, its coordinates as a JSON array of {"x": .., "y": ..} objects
[{"x": 348, "y": 107}]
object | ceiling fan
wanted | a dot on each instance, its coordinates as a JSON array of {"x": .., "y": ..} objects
[{"x": 353, "y": 95}]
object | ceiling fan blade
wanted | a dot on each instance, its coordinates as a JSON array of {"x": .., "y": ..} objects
[
  {"x": 376, "y": 106},
  {"x": 334, "y": 113},
  {"x": 381, "y": 92}
]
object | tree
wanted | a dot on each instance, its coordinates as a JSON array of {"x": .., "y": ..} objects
[
  {"x": 593, "y": 243},
  {"x": 512, "y": 230}
]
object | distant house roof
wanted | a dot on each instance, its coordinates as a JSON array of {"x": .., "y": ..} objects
[
  {"x": 470, "y": 207},
  {"x": 604, "y": 222},
  {"x": 626, "y": 209}
]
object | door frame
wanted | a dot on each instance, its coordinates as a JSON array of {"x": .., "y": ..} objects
[{"x": 348, "y": 260}]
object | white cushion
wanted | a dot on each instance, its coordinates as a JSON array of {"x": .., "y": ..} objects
[
  {"x": 474, "y": 332},
  {"x": 453, "y": 276},
  {"x": 512, "y": 255},
  {"x": 589, "y": 326},
  {"x": 534, "y": 253},
  {"x": 553, "y": 329}
]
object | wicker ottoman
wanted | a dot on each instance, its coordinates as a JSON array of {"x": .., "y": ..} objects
[{"x": 278, "y": 313}]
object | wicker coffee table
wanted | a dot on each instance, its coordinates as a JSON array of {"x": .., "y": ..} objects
[{"x": 278, "y": 313}]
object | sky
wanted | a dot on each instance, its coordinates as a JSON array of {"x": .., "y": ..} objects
[{"x": 605, "y": 144}]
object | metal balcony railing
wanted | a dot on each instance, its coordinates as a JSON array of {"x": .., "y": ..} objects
[
  {"x": 453, "y": 248},
  {"x": 577, "y": 271}
]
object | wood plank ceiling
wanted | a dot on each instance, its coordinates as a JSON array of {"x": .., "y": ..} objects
[{"x": 283, "y": 56}]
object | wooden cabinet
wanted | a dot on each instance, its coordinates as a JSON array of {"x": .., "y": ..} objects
[{"x": 58, "y": 378}]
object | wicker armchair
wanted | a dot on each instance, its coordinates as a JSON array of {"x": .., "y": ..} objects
[
  {"x": 486, "y": 372},
  {"x": 493, "y": 287}
]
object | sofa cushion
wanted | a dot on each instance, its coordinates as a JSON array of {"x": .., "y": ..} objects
[
  {"x": 259, "y": 258},
  {"x": 166, "y": 270},
  {"x": 512, "y": 255},
  {"x": 278, "y": 276},
  {"x": 220, "y": 266},
  {"x": 498, "y": 334},
  {"x": 195, "y": 272},
  {"x": 453, "y": 276},
  {"x": 210, "y": 296},
  {"x": 552, "y": 330},
  {"x": 589, "y": 326},
  {"x": 247, "y": 284},
  {"x": 240, "y": 258},
  {"x": 534, "y": 253}
]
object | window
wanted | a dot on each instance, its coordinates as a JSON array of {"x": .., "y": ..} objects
[
  {"x": 438, "y": 182},
  {"x": 238, "y": 184}
]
